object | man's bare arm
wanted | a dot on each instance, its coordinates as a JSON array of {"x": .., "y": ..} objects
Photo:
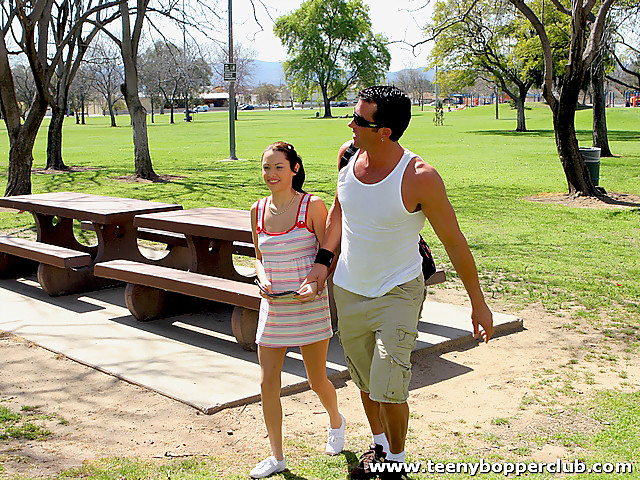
[
  {"x": 441, "y": 216},
  {"x": 331, "y": 242}
]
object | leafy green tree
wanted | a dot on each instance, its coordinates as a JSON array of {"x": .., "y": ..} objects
[
  {"x": 490, "y": 40},
  {"x": 330, "y": 44},
  {"x": 588, "y": 21}
]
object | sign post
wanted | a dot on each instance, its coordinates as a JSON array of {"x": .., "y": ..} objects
[{"x": 230, "y": 76}]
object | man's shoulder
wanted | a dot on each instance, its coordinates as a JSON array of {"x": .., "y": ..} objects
[
  {"x": 422, "y": 172},
  {"x": 344, "y": 147}
]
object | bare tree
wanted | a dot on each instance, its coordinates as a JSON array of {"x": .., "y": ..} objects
[
  {"x": 68, "y": 39},
  {"x": 195, "y": 73},
  {"x": 160, "y": 71},
  {"x": 267, "y": 93},
  {"x": 105, "y": 67},
  {"x": 129, "y": 44},
  {"x": 27, "y": 26},
  {"x": 25, "y": 87},
  {"x": 80, "y": 92},
  {"x": 243, "y": 57},
  {"x": 150, "y": 77},
  {"x": 174, "y": 73},
  {"x": 414, "y": 83}
]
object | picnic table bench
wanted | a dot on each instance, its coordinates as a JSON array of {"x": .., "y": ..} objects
[
  {"x": 212, "y": 236},
  {"x": 63, "y": 264},
  {"x": 173, "y": 239}
]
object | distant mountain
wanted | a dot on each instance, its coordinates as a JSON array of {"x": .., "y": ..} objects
[
  {"x": 271, "y": 72},
  {"x": 429, "y": 73},
  {"x": 267, "y": 72}
]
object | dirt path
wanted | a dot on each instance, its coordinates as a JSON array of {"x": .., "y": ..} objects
[{"x": 510, "y": 397}]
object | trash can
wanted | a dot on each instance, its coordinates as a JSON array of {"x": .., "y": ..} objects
[{"x": 591, "y": 157}]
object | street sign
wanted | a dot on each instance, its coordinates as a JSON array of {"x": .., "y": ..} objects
[{"x": 230, "y": 74}]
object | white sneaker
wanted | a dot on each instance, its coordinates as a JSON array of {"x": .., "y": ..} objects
[
  {"x": 335, "y": 438},
  {"x": 268, "y": 466}
]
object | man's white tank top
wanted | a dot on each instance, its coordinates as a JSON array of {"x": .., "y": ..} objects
[{"x": 379, "y": 246}]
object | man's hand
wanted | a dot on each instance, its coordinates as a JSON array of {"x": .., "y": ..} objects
[
  {"x": 308, "y": 292},
  {"x": 317, "y": 274},
  {"x": 482, "y": 317}
]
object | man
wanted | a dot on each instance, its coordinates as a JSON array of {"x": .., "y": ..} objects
[{"x": 383, "y": 195}]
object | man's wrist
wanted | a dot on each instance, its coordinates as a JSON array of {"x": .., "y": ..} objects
[{"x": 324, "y": 257}]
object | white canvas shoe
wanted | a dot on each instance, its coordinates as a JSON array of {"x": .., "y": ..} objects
[
  {"x": 335, "y": 438},
  {"x": 268, "y": 466}
]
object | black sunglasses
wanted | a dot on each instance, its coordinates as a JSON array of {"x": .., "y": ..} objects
[
  {"x": 272, "y": 294},
  {"x": 361, "y": 122}
]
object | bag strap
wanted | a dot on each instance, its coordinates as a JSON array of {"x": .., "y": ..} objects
[{"x": 347, "y": 155}]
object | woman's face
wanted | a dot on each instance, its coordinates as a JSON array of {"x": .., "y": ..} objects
[{"x": 276, "y": 171}]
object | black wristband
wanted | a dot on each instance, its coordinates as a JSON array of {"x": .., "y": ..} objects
[{"x": 324, "y": 257}]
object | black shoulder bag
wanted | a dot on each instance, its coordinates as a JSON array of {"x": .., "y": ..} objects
[{"x": 428, "y": 265}]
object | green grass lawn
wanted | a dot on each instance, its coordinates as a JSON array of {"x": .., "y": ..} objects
[
  {"x": 586, "y": 261},
  {"x": 525, "y": 251}
]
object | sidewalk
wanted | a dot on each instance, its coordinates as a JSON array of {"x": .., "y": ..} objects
[{"x": 192, "y": 358}]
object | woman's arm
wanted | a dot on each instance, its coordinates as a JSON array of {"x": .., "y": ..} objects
[{"x": 260, "y": 273}]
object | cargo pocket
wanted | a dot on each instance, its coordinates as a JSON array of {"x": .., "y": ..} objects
[
  {"x": 356, "y": 376},
  {"x": 400, "y": 366}
]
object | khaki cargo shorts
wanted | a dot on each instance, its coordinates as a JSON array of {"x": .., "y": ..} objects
[{"x": 378, "y": 335}]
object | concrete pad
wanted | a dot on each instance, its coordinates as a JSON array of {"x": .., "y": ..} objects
[{"x": 192, "y": 358}]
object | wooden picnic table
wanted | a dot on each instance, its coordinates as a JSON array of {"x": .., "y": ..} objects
[
  {"x": 66, "y": 266},
  {"x": 212, "y": 237},
  {"x": 210, "y": 233}
]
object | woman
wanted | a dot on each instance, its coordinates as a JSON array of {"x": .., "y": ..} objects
[{"x": 287, "y": 228}]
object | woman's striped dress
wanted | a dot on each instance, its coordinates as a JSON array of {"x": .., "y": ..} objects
[{"x": 287, "y": 258}]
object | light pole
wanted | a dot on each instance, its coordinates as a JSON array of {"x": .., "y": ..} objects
[
  {"x": 437, "y": 85},
  {"x": 187, "y": 115},
  {"x": 232, "y": 96}
]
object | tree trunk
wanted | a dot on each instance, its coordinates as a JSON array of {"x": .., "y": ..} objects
[
  {"x": 82, "y": 104},
  {"x": 54, "y": 139},
  {"x": 111, "y": 112},
  {"x": 21, "y": 141},
  {"x": 578, "y": 177},
  {"x": 172, "y": 120},
  {"x": 20, "y": 162},
  {"x": 327, "y": 103},
  {"x": 143, "y": 166},
  {"x": 600, "y": 138},
  {"x": 152, "y": 118},
  {"x": 77, "y": 118},
  {"x": 129, "y": 50},
  {"x": 522, "y": 126}
]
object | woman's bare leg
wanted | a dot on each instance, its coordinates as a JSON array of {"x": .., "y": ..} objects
[
  {"x": 315, "y": 362},
  {"x": 271, "y": 360}
]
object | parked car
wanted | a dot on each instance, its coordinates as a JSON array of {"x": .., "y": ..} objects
[
  {"x": 190, "y": 111},
  {"x": 247, "y": 107},
  {"x": 342, "y": 104},
  {"x": 202, "y": 108}
]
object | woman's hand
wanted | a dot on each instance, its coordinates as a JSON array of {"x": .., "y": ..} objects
[
  {"x": 307, "y": 292},
  {"x": 266, "y": 287}
]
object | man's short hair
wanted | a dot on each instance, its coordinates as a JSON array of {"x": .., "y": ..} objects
[{"x": 393, "y": 108}]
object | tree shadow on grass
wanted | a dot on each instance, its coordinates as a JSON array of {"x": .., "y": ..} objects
[{"x": 614, "y": 135}]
